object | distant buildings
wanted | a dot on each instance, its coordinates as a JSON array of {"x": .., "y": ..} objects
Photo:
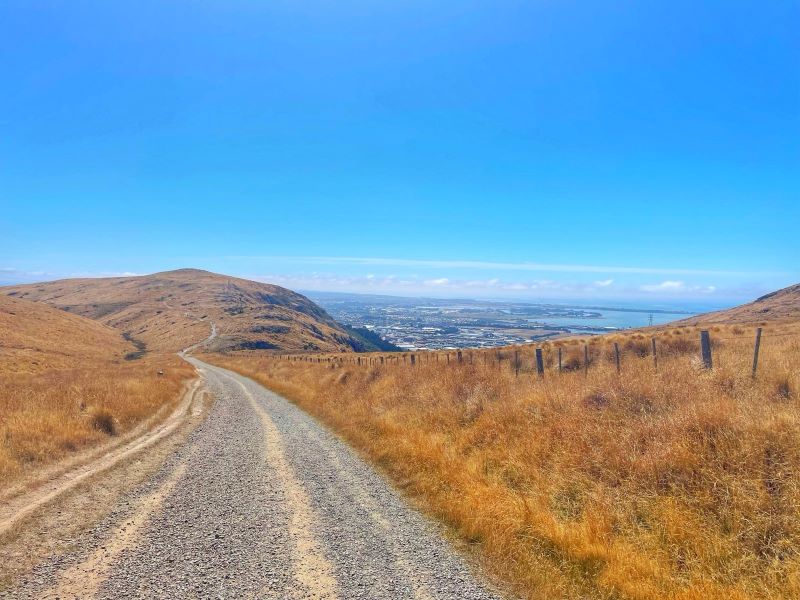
[{"x": 426, "y": 324}]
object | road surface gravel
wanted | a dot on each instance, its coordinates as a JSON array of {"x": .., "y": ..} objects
[{"x": 261, "y": 502}]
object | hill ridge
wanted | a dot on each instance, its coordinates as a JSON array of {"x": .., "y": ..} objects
[
  {"x": 170, "y": 310},
  {"x": 780, "y": 305}
]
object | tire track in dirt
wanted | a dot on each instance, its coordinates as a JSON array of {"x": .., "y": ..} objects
[
  {"x": 84, "y": 579},
  {"x": 15, "y": 510},
  {"x": 313, "y": 570}
]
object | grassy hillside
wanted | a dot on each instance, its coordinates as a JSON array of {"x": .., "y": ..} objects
[
  {"x": 665, "y": 481},
  {"x": 782, "y": 305},
  {"x": 65, "y": 385},
  {"x": 367, "y": 340},
  {"x": 36, "y": 338},
  {"x": 169, "y": 311}
]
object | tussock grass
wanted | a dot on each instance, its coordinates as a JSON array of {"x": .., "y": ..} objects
[
  {"x": 46, "y": 416},
  {"x": 65, "y": 385},
  {"x": 671, "y": 483}
]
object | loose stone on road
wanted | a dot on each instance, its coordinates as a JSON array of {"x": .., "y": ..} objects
[{"x": 261, "y": 502}]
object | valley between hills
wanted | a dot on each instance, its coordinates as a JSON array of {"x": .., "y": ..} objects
[{"x": 188, "y": 434}]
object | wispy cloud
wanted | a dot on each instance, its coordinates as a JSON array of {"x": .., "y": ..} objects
[
  {"x": 492, "y": 287},
  {"x": 493, "y": 266},
  {"x": 677, "y": 287},
  {"x": 442, "y": 281}
]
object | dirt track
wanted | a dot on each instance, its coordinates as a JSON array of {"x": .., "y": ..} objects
[{"x": 260, "y": 502}]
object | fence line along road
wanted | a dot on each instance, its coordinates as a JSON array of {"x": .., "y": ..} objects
[{"x": 413, "y": 358}]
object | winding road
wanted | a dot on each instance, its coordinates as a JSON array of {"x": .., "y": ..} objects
[{"x": 260, "y": 502}]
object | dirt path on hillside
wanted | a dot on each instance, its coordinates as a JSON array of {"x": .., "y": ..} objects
[
  {"x": 16, "y": 509},
  {"x": 19, "y": 502},
  {"x": 260, "y": 502}
]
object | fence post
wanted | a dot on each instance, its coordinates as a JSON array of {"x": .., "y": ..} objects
[
  {"x": 705, "y": 349},
  {"x": 460, "y": 357},
  {"x": 655, "y": 354},
  {"x": 616, "y": 355},
  {"x": 539, "y": 362},
  {"x": 559, "y": 359},
  {"x": 585, "y": 360},
  {"x": 755, "y": 351},
  {"x": 413, "y": 360},
  {"x": 516, "y": 363}
]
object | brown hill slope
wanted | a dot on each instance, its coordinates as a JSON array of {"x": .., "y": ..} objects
[
  {"x": 68, "y": 383},
  {"x": 35, "y": 337},
  {"x": 171, "y": 310},
  {"x": 782, "y": 305}
]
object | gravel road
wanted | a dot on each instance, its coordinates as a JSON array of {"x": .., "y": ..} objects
[{"x": 261, "y": 502}]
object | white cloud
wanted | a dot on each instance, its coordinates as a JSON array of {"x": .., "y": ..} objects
[
  {"x": 604, "y": 283},
  {"x": 442, "y": 281},
  {"x": 664, "y": 286},
  {"x": 677, "y": 287}
]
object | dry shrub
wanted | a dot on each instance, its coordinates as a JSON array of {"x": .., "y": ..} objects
[
  {"x": 676, "y": 483},
  {"x": 638, "y": 346},
  {"x": 572, "y": 359},
  {"x": 678, "y": 346},
  {"x": 103, "y": 420}
]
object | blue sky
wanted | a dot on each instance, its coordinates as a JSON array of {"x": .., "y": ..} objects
[{"x": 487, "y": 149}]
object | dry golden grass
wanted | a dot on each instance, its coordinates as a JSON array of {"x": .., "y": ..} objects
[
  {"x": 170, "y": 311},
  {"x": 677, "y": 483},
  {"x": 65, "y": 385}
]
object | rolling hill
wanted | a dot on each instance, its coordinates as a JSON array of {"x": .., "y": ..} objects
[
  {"x": 171, "y": 310},
  {"x": 781, "y": 305},
  {"x": 35, "y": 337},
  {"x": 68, "y": 383}
]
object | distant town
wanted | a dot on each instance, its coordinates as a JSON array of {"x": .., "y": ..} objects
[{"x": 431, "y": 324}]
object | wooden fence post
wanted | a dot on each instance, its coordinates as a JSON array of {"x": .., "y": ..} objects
[
  {"x": 460, "y": 357},
  {"x": 655, "y": 354},
  {"x": 755, "y": 351},
  {"x": 616, "y": 355},
  {"x": 516, "y": 363},
  {"x": 413, "y": 360},
  {"x": 705, "y": 349},
  {"x": 559, "y": 359},
  {"x": 585, "y": 360},
  {"x": 539, "y": 362}
]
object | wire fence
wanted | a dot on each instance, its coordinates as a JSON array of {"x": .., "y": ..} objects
[{"x": 556, "y": 359}]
